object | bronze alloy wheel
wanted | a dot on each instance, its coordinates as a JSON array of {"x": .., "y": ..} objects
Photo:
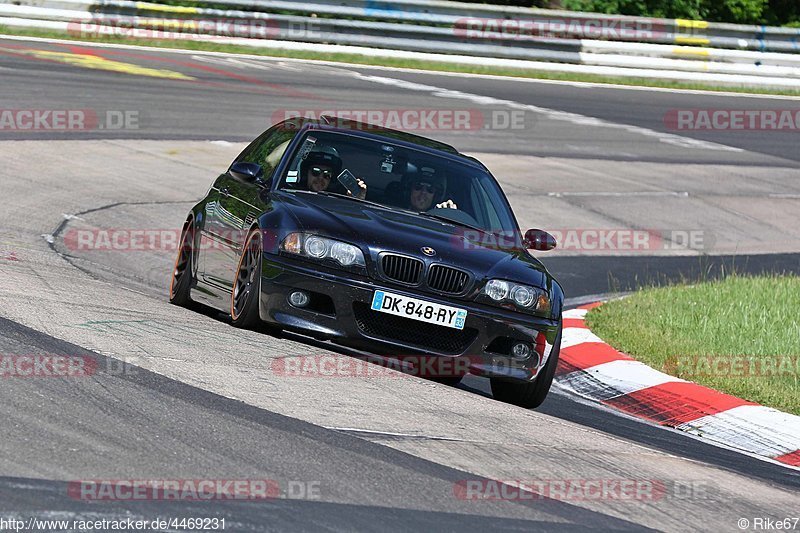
[
  {"x": 247, "y": 284},
  {"x": 185, "y": 267}
]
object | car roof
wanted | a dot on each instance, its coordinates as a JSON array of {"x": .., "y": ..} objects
[{"x": 371, "y": 131}]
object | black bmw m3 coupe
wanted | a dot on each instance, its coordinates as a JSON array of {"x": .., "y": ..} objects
[{"x": 380, "y": 240}]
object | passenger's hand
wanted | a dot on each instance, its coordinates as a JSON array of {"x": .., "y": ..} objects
[
  {"x": 363, "y": 186},
  {"x": 449, "y": 204},
  {"x": 362, "y": 189}
]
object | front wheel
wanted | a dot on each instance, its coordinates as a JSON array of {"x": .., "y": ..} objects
[
  {"x": 529, "y": 394},
  {"x": 247, "y": 284},
  {"x": 450, "y": 381},
  {"x": 183, "y": 273}
]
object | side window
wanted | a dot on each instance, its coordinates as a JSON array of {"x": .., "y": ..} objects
[{"x": 268, "y": 149}]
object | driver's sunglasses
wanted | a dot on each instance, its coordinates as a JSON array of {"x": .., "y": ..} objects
[
  {"x": 427, "y": 187},
  {"x": 317, "y": 171}
]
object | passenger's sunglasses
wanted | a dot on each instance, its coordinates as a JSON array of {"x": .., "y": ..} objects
[
  {"x": 427, "y": 187},
  {"x": 317, "y": 172}
]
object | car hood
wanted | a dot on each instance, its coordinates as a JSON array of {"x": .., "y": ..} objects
[{"x": 379, "y": 229}]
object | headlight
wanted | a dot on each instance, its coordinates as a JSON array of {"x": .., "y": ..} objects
[
  {"x": 346, "y": 254},
  {"x": 497, "y": 290},
  {"x": 317, "y": 247},
  {"x": 521, "y": 296}
]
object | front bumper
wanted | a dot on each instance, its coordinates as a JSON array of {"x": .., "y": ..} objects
[{"x": 348, "y": 321}]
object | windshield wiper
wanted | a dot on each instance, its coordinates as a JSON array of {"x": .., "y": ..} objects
[
  {"x": 350, "y": 197},
  {"x": 340, "y": 195},
  {"x": 451, "y": 221},
  {"x": 335, "y": 194},
  {"x": 357, "y": 199}
]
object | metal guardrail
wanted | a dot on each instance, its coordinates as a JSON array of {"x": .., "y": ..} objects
[
  {"x": 392, "y": 36},
  {"x": 572, "y": 25},
  {"x": 664, "y": 31},
  {"x": 443, "y": 27}
]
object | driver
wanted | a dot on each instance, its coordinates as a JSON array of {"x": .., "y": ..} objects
[
  {"x": 320, "y": 166},
  {"x": 426, "y": 187}
]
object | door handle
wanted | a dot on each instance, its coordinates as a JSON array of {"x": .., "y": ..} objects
[{"x": 224, "y": 192}]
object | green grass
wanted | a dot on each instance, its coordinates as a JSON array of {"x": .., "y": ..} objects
[
  {"x": 400, "y": 63},
  {"x": 677, "y": 329}
]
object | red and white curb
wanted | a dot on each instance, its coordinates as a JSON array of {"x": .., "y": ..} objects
[{"x": 594, "y": 370}]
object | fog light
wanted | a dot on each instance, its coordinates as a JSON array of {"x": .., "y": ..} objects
[
  {"x": 299, "y": 299},
  {"x": 521, "y": 351}
]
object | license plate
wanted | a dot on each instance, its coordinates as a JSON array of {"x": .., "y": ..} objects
[{"x": 396, "y": 304}]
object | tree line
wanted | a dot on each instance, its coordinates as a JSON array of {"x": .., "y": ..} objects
[{"x": 770, "y": 12}]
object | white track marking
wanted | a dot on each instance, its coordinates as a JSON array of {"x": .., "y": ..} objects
[
  {"x": 680, "y": 194},
  {"x": 755, "y": 428},
  {"x": 575, "y": 336},
  {"x": 574, "y": 313},
  {"x": 560, "y": 389},
  {"x": 235, "y": 62},
  {"x": 392, "y": 434},
  {"x": 553, "y": 114},
  {"x": 615, "y": 378},
  {"x": 288, "y": 66}
]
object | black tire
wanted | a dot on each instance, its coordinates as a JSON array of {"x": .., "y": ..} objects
[
  {"x": 450, "y": 381},
  {"x": 185, "y": 266},
  {"x": 529, "y": 394},
  {"x": 247, "y": 284}
]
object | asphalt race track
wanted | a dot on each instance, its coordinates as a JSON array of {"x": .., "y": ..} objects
[{"x": 179, "y": 394}]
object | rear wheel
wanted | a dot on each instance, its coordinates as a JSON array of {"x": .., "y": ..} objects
[
  {"x": 247, "y": 284},
  {"x": 529, "y": 394},
  {"x": 183, "y": 273}
]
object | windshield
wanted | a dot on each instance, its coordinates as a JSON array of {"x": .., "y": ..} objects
[{"x": 395, "y": 176}]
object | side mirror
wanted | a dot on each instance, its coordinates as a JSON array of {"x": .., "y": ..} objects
[
  {"x": 247, "y": 172},
  {"x": 537, "y": 239}
]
